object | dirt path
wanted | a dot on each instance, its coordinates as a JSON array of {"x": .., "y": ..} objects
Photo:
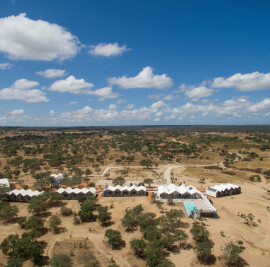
[{"x": 167, "y": 173}]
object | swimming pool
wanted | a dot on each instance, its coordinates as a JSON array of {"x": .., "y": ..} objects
[{"x": 189, "y": 208}]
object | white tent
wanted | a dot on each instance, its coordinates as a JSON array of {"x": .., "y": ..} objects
[
  {"x": 70, "y": 193},
  {"x": 178, "y": 192},
  {"x": 22, "y": 195},
  {"x": 223, "y": 190},
  {"x": 121, "y": 191}
]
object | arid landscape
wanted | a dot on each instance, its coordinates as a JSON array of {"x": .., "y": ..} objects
[{"x": 99, "y": 157}]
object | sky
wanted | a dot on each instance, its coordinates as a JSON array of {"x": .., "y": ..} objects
[{"x": 112, "y": 62}]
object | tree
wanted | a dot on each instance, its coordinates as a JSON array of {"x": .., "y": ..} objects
[
  {"x": 231, "y": 253},
  {"x": 34, "y": 222},
  {"x": 203, "y": 250},
  {"x": 145, "y": 220},
  {"x": 25, "y": 247},
  {"x": 86, "y": 212},
  {"x": 114, "y": 238},
  {"x": 88, "y": 172},
  {"x": 103, "y": 215},
  {"x": 147, "y": 163},
  {"x": 199, "y": 232},
  {"x": 37, "y": 205},
  {"x": 53, "y": 199},
  {"x": 181, "y": 236},
  {"x": 138, "y": 245},
  {"x": 148, "y": 181},
  {"x": 7, "y": 212},
  {"x": 154, "y": 254},
  {"x": 119, "y": 181},
  {"x": 61, "y": 260},
  {"x": 55, "y": 221},
  {"x": 15, "y": 262}
]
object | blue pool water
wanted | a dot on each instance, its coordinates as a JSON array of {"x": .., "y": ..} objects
[{"x": 189, "y": 207}]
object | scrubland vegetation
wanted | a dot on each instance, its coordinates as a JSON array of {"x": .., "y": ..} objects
[{"x": 134, "y": 231}]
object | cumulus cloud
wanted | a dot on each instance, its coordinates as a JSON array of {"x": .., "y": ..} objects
[
  {"x": 199, "y": 92},
  {"x": 105, "y": 92},
  {"x": 24, "y": 38},
  {"x": 121, "y": 101},
  {"x": 107, "y": 50},
  {"x": 5, "y": 66},
  {"x": 71, "y": 85},
  {"x": 162, "y": 96},
  {"x": 112, "y": 106},
  {"x": 261, "y": 106},
  {"x": 17, "y": 111},
  {"x": 145, "y": 79},
  {"x": 130, "y": 106},
  {"x": 244, "y": 82},
  {"x": 80, "y": 86},
  {"x": 71, "y": 103},
  {"x": 51, "y": 73},
  {"x": 23, "y": 90},
  {"x": 235, "y": 108}
]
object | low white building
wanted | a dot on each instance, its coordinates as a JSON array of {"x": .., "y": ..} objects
[
  {"x": 124, "y": 191},
  {"x": 5, "y": 183},
  {"x": 22, "y": 195},
  {"x": 56, "y": 178},
  {"x": 223, "y": 190},
  {"x": 178, "y": 192},
  {"x": 70, "y": 193}
]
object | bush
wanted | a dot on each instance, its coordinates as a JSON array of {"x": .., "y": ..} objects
[
  {"x": 103, "y": 215},
  {"x": 231, "y": 254},
  {"x": 65, "y": 211},
  {"x": 61, "y": 260},
  {"x": 55, "y": 222},
  {"x": 114, "y": 238},
  {"x": 138, "y": 245}
]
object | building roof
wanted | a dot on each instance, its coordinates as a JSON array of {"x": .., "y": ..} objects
[
  {"x": 24, "y": 192},
  {"x": 222, "y": 187},
  {"x": 182, "y": 189},
  {"x": 4, "y": 182},
  {"x": 76, "y": 191},
  {"x": 125, "y": 188}
]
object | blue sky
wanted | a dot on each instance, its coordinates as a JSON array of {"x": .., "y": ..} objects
[{"x": 134, "y": 62}]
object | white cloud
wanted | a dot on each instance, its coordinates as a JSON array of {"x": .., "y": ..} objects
[
  {"x": 22, "y": 90},
  {"x": 105, "y": 92},
  {"x": 5, "y": 66},
  {"x": 51, "y": 73},
  {"x": 199, "y": 92},
  {"x": 107, "y": 50},
  {"x": 112, "y": 106},
  {"x": 145, "y": 79},
  {"x": 17, "y": 111},
  {"x": 24, "y": 38},
  {"x": 80, "y": 86},
  {"x": 162, "y": 96},
  {"x": 52, "y": 113},
  {"x": 261, "y": 106},
  {"x": 244, "y": 82},
  {"x": 71, "y": 103},
  {"x": 130, "y": 106},
  {"x": 121, "y": 101},
  {"x": 71, "y": 85}
]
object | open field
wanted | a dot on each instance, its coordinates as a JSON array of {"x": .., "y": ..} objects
[{"x": 200, "y": 159}]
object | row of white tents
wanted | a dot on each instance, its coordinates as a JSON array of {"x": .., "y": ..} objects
[
  {"x": 223, "y": 190},
  {"x": 122, "y": 191},
  {"x": 178, "y": 192},
  {"x": 22, "y": 195},
  {"x": 70, "y": 193}
]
